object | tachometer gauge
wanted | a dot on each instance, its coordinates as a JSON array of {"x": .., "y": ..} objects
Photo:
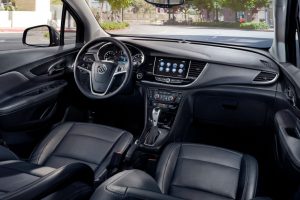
[
  {"x": 138, "y": 59},
  {"x": 110, "y": 55}
]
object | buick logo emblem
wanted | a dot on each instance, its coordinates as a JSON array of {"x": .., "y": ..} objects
[{"x": 101, "y": 69}]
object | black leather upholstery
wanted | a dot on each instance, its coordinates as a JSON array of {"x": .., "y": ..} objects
[
  {"x": 6, "y": 154},
  {"x": 130, "y": 184},
  {"x": 90, "y": 144},
  {"x": 23, "y": 180},
  {"x": 189, "y": 171},
  {"x": 206, "y": 172}
]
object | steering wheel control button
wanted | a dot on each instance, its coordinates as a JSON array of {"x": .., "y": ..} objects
[
  {"x": 161, "y": 69},
  {"x": 180, "y": 71},
  {"x": 174, "y": 70},
  {"x": 167, "y": 69}
]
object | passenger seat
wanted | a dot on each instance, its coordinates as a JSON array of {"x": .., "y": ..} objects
[{"x": 188, "y": 171}]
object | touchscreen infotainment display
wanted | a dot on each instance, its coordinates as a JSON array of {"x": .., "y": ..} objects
[{"x": 171, "y": 67}]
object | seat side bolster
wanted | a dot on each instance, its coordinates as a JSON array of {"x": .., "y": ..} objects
[
  {"x": 248, "y": 178},
  {"x": 121, "y": 146},
  {"x": 49, "y": 144},
  {"x": 166, "y": 166}
]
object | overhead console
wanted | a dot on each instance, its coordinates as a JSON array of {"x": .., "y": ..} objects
[{"x": 170, "y": 70}]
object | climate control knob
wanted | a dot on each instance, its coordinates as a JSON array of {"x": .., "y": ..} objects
[
  {"x": 171, "y": 98},
  {"x": 156, "y": 96}
]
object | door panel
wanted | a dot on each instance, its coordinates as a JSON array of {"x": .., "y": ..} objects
[{"x": 31, "y": 93}]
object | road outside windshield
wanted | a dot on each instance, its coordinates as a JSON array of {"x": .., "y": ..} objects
[{"x": 246, "y": 23}]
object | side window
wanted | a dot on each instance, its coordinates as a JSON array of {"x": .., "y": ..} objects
[{"x": 18, "y": 15}]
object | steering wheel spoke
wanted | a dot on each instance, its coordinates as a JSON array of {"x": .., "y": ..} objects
[
  {"x": 85, "y": 69},
  {"x": 121, "y": 69}
]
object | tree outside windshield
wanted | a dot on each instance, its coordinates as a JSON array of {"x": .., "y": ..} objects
[{"x": 241, "y": 22}]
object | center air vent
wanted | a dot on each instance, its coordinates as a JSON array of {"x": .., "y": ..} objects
[
  {"x": 263, "y": 77},
  {"x": 148, "y": 67},
  {"x": 196, "y": 68}
]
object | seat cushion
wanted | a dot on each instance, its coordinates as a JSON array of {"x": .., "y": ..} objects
[
  {"x": 193, "y": 171},
  {"x": 90, "y": 144}
]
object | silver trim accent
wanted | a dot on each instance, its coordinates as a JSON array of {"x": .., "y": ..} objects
[{"x": 155, "y": 116}]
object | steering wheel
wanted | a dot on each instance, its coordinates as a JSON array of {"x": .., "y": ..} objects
[{"x": 102, "y": 79}]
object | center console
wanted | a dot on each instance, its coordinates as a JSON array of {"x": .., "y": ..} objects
[{"x": 162, "y": 106}]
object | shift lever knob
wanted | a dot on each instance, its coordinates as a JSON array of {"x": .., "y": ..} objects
[{"x": 155, "y": 116}]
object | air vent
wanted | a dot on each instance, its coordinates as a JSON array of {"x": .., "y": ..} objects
[
  {"x": 265, "y": 77},
  {"x": 196, "y": 68},
  {"x": 149, "y": 65}
]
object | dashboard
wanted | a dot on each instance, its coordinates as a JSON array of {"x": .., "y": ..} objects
[{"x": 188, "y": 65}]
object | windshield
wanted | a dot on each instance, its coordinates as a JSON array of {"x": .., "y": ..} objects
[{"x": 246, "y": 23}]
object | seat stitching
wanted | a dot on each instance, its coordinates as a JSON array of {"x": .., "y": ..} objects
[
  {"x": 171, "y": 153},
  {"x": 74, "y": 158},
  {"x": 203, "y": 190},
  {"x": 256, "y": 175},
  {"x": 39, "y": 157},
  {"x": 79, "y": 135},
  {"x": 210, "y": 163},
  {"x": 212, "y": 147},
  {"x": 171, "y": 180},
  {"x": 102, "y": 126},
  {"x": 20, "y": 170},
  {"x": 246, "y": 179}
]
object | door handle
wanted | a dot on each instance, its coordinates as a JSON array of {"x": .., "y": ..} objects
[{"x": 56, "y": 67}]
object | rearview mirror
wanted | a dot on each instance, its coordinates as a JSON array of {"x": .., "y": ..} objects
[
  {"x": 165, "y": 3},
  {"x": 41, "y": 36}
]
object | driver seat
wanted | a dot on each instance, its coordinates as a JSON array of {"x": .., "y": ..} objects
[{"x": 91, "y": 144}]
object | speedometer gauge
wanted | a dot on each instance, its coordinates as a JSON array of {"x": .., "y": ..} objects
[
  {"x": 110, "y": 55},
  {"x": 138, "y": 59}
]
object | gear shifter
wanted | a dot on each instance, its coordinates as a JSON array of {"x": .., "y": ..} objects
[
  {"x": 154, "y": 132},
  {"x": 155, "y": 116}
]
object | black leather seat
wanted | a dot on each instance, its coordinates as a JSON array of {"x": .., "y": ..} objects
[
  {"x": 91, "y": 144},
  {"x": 64, "y": 165},
  {"x": 188, "y": 171}
]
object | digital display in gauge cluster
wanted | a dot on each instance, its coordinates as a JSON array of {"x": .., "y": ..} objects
[{"x": 171, "y": 67}]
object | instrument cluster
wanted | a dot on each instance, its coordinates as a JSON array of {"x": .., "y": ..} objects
[{"x": 112, "y": 53}]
